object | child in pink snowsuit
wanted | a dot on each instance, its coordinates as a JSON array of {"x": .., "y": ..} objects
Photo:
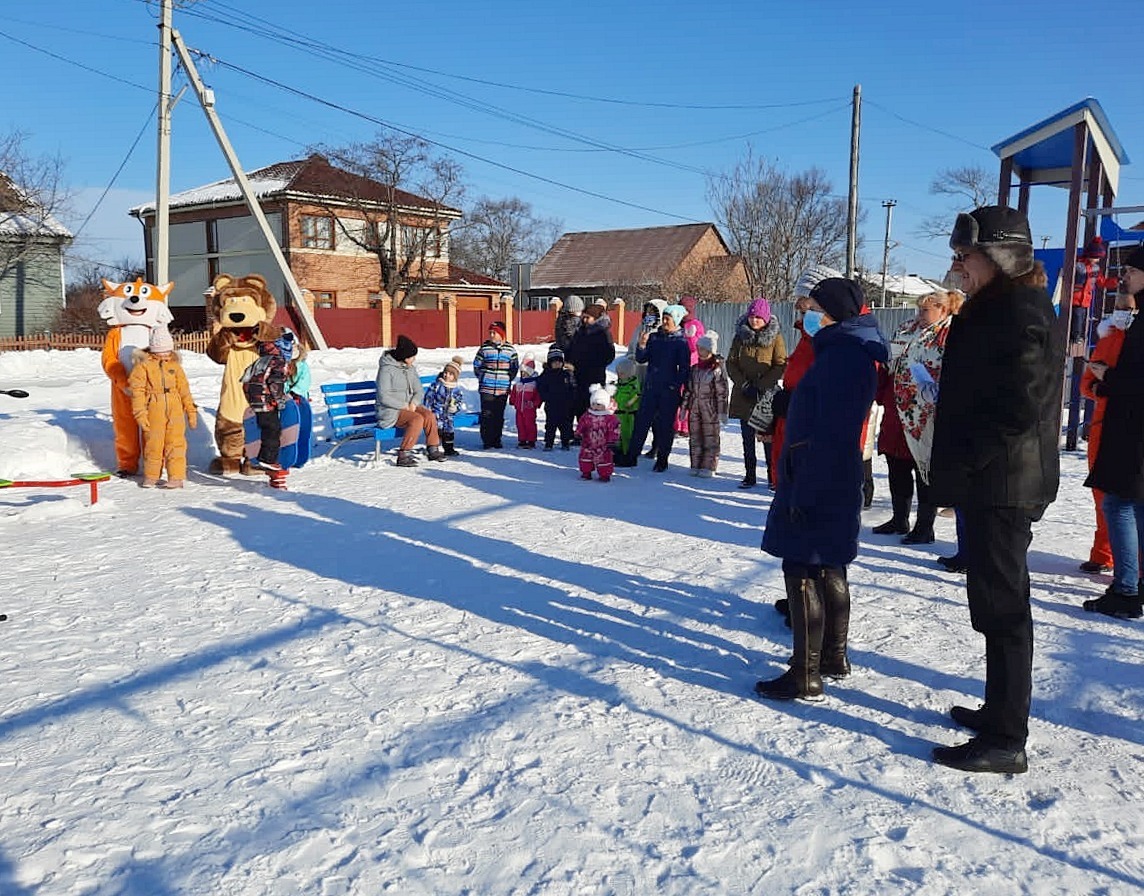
[
  {"x": 525, "y": 398},
  {"x": 599, "y": 432}
]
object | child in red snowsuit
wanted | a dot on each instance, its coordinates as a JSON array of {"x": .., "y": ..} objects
[
  {"x": 525, "y": 399},
  {"x": 599, "y": 432}
]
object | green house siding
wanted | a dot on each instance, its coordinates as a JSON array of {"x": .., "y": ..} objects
[{"x": 31, "y": 292}]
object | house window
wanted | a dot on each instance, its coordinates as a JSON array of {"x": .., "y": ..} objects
[
  {"x": 325, "y": 299},
  {"x": 414, "y": 238},
  {"x": 317, "y": 232}
]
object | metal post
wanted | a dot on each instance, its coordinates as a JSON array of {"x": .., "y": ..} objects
[
  {"x": 206, "y": 100},
  {"x": 161, "y": 260},
  {"x": 888, "y": 205},
  {"x": 852, "y": 207}
]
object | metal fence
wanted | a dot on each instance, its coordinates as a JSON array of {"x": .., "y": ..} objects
[{"x": 722, "y": 317}]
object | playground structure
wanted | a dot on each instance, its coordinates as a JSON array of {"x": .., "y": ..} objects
[
  {"x": 91, "y": 480},
  {"x": 1075, "y": 148}
]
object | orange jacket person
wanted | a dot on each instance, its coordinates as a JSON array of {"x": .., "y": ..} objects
[
  {"x": 1107, "y": 349},
  {"x": 159, "y": 398}
]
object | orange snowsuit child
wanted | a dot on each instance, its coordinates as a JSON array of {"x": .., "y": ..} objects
[
  {"x": 1107, "y": 349},
  {"x": 159, "y": 398}
]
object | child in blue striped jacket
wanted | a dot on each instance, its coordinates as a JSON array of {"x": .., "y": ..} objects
[{"x": 495, "y": 365}]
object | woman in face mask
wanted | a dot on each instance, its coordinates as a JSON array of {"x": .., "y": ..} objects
[
  {"x": 815, "y": 516},
  {"x": 1110, "y": 340}
]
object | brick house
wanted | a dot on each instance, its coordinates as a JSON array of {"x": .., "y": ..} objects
[
  {"x": 637, "y": 265},
  {"x": 316, "y": 209}
]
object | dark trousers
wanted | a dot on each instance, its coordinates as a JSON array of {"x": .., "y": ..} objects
[
  {"x": 492, "y": 419},
  {"x": 750, "y": 458},
  {"x": 270, "y": 427},
  {"x": 995, "y": 549},
  {"x": 903, "y": 473},
  {"x": 552, "y": 423},
  {"x": 656, "y": 413}
]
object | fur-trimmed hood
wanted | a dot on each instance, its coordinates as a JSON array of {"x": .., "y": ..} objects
[
  {"x": 139, "y": 355},
  {"x": 768, "y": 334}
]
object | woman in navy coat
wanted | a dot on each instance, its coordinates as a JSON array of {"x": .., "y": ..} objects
[{"x": 816, "y": 513}]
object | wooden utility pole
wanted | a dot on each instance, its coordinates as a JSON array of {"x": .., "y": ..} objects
[
  {"x": 161, "y": 247},
  {"x": 852, "y": 211},
  {"x": 888, "y": 205}
]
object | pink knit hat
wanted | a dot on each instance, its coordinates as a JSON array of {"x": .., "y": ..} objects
[
  {"x": 760, "y": 307},
  {"x": 160, "y": 340}
]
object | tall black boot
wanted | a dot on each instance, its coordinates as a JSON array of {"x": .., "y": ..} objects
[
  {"x": 901, "y": 479},
  {"x": 867, "y": 483},
  {"x": 922, "y": 532},
  {"x": 835, "y": 592},
  {"x": 802, "y": 680},
  {"x": 447, "y": 444}
]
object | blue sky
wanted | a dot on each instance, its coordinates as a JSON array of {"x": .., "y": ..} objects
[{"x": 691, "y": 85}]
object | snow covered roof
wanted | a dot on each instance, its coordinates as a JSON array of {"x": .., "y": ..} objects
[
  {"x": 904, "y": 284},
  {"x": 312, "y": 176},
  {"x": 21, "y": 216}
]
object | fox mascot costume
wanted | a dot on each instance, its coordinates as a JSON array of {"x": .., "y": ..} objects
[{"x": 131, "y": 310}]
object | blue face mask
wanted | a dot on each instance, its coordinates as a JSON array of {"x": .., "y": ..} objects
[{"x": 812, "y": 322}]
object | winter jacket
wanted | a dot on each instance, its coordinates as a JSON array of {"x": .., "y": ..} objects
[
  {"x": 397, "y": 385},
  {"x": 495, "y": 366},
  {"x": 444, "y": 401},
  {"x": 816, "y": 512},
  {"x": 627, "y": 399},
  {"x": 598, "y": 431},
  {"x": 692, "y": 328},
  {"x": 1119, "y": 466},
  {"x": 566, "y": 326},
  {"x": 647, "y": 325},
  {"x": 590, "y": 353},
  {"x": 159, "y": 392},
  {"x": 891, "y": 436},
  {"x": 524, "y": 395},
  {"x": 705, "y": 397},
  {"x": 1110, "y": 343},
  {"x": 755, "y": 363},
  {"x": 667, "y": 359},
  {"x": 264, "y": 381},
  {"x": 996, "y": 427},
  {"x": 299, "y": 382},
  {"x": 557, "y": 389}
]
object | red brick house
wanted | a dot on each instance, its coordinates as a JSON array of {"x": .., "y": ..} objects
[{"x": 316, "y": 209}]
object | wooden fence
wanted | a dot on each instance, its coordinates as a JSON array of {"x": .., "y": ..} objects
[{"x": 194, "y": 342}]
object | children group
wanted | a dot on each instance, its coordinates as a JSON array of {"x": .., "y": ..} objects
[{"x": 609, "y": 422}]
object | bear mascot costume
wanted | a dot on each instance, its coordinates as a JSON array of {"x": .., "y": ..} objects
[
  {"x": 237, "y": 305},
  {"x": 130, "y": 310}
]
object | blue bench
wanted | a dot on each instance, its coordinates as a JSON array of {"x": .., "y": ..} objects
[{"x": 352, "y": 409}]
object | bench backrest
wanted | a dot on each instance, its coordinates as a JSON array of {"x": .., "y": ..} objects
[{"x": 352, "y": 407}]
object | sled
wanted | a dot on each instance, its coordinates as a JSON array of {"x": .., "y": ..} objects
[{"x": 296, "y": 434}]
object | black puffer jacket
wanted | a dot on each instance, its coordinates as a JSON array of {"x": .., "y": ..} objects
[
  {"x": 1119, "y": 465},
  {"x": 997, "y": 424}
]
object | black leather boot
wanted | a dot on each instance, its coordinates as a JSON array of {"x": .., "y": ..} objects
[
  {"x": 835, "y": 592},
  {"x": 447, "y": 444},
  {"x": 802, "y": 680}
]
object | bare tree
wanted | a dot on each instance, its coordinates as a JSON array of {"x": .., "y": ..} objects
[
  {"x": 779, "y": 223},
  {"x": 497, "y": 233},
  {"x": 967, "y": 187},
  {"x": 33, "y": 200},
  {"x": 403, "y": 231}
]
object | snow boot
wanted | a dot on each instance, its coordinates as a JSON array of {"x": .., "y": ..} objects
[
  {"x": 867, "y": 484},
  {"x": 834, "y": 590},
  {"x": 1117, "y": 604},
  {"x": 447, "y": 444},
  {"x": 973, "y": 719},
  {"x": 802, "y": 680},
  {"x": 435, "y": 452},
  {"x": 405, "y": 459}
]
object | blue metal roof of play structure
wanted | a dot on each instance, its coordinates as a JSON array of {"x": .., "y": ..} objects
[{"x": 1056, "y": 150}]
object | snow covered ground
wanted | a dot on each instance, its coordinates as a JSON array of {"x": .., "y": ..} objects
[{"x": 490, "y": 677}]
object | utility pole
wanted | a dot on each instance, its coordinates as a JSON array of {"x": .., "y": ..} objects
[
  {"x": 161, "y": 247},
  {"x": 852, "y": 211},
  {"x": 888, "y": 205}
]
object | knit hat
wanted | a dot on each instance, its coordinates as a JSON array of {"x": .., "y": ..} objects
[
  {"x": 626, "y": 368},
  {"x": 555, "y": 354},
  {"x": 160, "y": 340},
  {"x": 689, "y": 302},
  {"x": 709, "y": 342},
  {"x": 842, "y": 299},
  {"x": 528, "y": 362},
  {"x": 1001, "y": 233},
  {"x": 1096, "y": 249},
  {"x": 1134, "y": 259},
  {"x": 454, "y": 364},
  {"x": 760, "y": 307},
  {"x": 498, "y": 327},
  {"x": 601, "y": 301},
  {"x": 598, "y": 396},
  {"x": 575, "y": 304},
  {"x": 811, "y": 277},
  {"x": 406, "y": 348},
  {"x": 677, "y": 312}
]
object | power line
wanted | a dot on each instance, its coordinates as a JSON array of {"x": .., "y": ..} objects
[
  {"x": 926, "y": 127},
  {"x": 86, "y": 68}
]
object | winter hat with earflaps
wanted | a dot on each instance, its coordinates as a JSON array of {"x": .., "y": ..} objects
[
  {"x": 1001, "y": 233},
  {"x": 160, "y": 341},
  {"x": 599, "y": 397}
]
